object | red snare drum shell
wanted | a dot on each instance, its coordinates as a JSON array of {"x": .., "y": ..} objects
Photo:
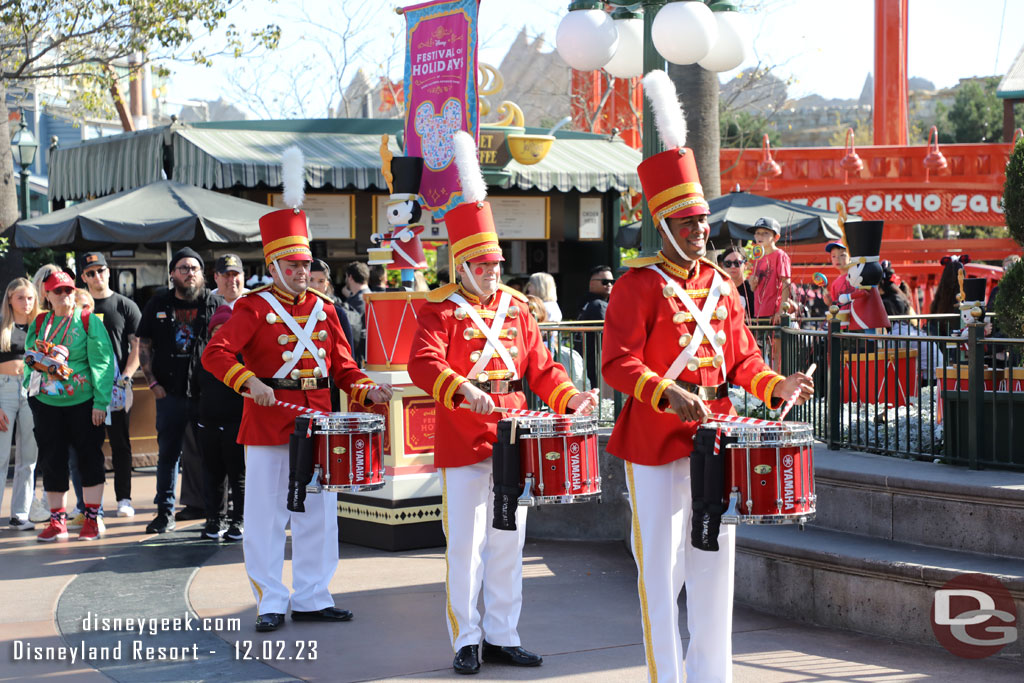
[
  {"x": 349, "y": 458},
  {"x": 778, "y": 485},
  {"x": 564, "y": 466}
]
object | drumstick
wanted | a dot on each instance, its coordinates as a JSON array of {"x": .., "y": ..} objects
[
  {"x": 367, "y": 385},
  {"x": 518, "y": 412},
  {"x": 285, "y": 404},
  {"x": 796, "y": 394}
]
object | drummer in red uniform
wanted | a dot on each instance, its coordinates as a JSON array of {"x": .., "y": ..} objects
[
  {"x": 291, "y": 345},
  {"x": 476, "y": 343},
  {"x": 674, "y": 339}
]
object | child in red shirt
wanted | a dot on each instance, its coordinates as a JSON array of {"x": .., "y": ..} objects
[{"x": 772, "y": 272}]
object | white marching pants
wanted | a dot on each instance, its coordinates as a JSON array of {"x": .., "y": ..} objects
[
  {"x": 314, "y": 536},
  {"x": 661, "y": 502},
  {"x": 480, "y": 556}
]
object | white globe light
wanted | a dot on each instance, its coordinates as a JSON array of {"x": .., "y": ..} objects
[
  {"x": 733, "y": 42},
  {"x": 628, "y": 60},
  {"x": 684, "y": 32},
  {"x": 586, "y": 39}
]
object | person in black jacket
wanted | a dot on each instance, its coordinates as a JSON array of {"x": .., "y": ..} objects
[
  {"x": 594, "y": 306},
  {"x": 172, "y": 336},
  {"x": 220, "y": 416}
]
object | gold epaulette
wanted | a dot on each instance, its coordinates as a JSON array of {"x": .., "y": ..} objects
[
  {"x": 715, "y": 266},
  {"x": 436, "y": 296},
  {"x": 515, "y": 293},
  {"x": 642, "y": 261},
  {"x": 322, "y": 295}
]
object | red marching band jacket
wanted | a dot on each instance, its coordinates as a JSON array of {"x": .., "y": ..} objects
[
  {"x": 644, "y": 331},
  {"x": 256, "y": 332},
  {"x": 444, "y": 351}
]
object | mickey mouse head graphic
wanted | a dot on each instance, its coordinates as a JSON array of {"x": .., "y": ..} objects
[{"x": 436, "y": 132}]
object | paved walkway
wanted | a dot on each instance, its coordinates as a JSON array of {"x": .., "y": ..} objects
[{"x": 580, "y": 611}]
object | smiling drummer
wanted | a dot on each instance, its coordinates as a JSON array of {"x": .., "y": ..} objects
[
  {"x": 291, "y": 345},
  {"x": 476, "y": 343},
  {"x": 674, "y": 339}
]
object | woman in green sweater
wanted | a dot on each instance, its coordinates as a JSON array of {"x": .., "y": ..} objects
[{"x": 69, "y": 408}]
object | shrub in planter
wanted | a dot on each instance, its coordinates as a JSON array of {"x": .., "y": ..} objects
[{"x": 1009, "y": 303}]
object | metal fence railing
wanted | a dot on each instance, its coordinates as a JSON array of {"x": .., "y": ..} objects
[{"x": 908, "y": 393}]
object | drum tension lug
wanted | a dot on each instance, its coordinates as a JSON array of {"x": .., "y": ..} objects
[{"x": 527, "y": 498}]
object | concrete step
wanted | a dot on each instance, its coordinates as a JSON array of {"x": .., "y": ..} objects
[
  {"x": 845, "y": 580},
  {"x": 921, "y": 503}
]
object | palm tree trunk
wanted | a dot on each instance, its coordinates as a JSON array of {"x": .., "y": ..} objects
[{"x": 698, "y": 91}]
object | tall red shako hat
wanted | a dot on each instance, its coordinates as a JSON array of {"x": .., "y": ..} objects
[
  {"x": 669, "y": 179},
  {"x": 471, "y": 231},
  {"x": 285, "y": 233}
]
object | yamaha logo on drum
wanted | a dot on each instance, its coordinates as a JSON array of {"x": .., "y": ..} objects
[
  {"x": 574, "y": 466},
  {"x": 787, "y": 482},
  {"x": 360, "y": 459}
]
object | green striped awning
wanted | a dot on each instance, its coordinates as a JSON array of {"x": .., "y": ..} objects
[
  {"x": 248, "y": 154},
  {"x": 221, "y": 159},
  {"x": 106, "y": 165}
]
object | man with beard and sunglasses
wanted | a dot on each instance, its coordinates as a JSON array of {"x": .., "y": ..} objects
[{"x": 172, "y": 336}]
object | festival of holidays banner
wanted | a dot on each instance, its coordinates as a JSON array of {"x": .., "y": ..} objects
[{"x": 440, "y": 93}]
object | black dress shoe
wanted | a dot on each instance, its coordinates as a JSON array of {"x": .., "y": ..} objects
[
  {"x": 325, "y": 614},
  {"x": 511, "y": 654},
  {"x": 467, "y": 660},
  {"x": 271, "y": 621}
]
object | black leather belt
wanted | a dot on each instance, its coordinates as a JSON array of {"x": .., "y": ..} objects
[
  {"x": 499, "y": 386},
  {"x": 300, "y": 384},
  {"x": 705, "y": 393}
]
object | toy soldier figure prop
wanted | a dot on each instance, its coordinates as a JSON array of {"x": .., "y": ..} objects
[
  {"x": 475, "y": 345},
  {"x": 674, "y": 339},
  {"x": 291, "y": 347},
  {"x": 867, "y": 312}
]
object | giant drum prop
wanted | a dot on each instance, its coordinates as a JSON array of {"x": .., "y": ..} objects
[
  {"x": 347, "y": 451},
  {"x": 769, "y": 472},
  {"x": 559, "y": 459},
  {"x": 391, "y": 324}
]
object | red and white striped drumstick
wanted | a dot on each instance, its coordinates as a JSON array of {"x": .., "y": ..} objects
[
  {"x": 285, "y": 403},
  {"x": 517, "y": 412},
  {"x": 368, "y": 385},
  {"x": 796, "y": 394}
]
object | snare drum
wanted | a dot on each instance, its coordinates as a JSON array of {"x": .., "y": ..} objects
[
  {"x": 769, "y": 473},
  {"x": 347, "y": 451},
  {"x": 558, "y": 459}
]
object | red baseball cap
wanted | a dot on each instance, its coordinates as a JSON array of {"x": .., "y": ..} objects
[{"x": 58, "y": 279}]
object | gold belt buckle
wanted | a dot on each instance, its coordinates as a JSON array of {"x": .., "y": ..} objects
[
  {"x": 307, "y": 383},
  {"x": 499, "y": 386}
]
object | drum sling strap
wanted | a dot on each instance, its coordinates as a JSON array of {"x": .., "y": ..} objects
[
  {"x": 505, "y": 471},
  {"x": 707, "y": 487},
  {"x": 300, "y": 463}
]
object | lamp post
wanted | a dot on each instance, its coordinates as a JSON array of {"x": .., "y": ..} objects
[
  {"x": 710, "y": 33},
  {"x": 23, "y": 149}
]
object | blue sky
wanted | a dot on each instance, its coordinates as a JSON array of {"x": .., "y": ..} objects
[{"x": 826, "y": 46}]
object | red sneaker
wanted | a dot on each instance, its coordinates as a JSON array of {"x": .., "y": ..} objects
[
  {"x": 56, "y": 530},
  {"x": 90, "y": 530}
]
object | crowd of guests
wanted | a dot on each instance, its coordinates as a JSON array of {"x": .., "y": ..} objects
[{"x": 57, "y": 425}]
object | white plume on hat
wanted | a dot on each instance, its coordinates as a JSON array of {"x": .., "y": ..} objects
[
  {"x": 474, "y": 188},
  {"x": 293, "y": 175},
  {"x": 668, "y": 113}
]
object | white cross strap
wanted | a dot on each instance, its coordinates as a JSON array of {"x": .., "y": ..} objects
[
  {"x": 304, "y": 335},
  {"x": 490, "y": 333},
  {"x": 701, "y": 316}
]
